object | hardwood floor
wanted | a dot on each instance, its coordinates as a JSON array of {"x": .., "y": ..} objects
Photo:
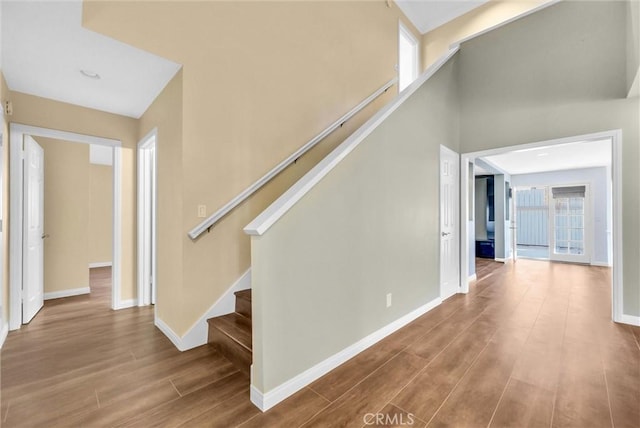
[{"x": 531, "y": 345}]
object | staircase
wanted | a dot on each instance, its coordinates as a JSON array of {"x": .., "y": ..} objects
[{"x": 231, "y": 334}]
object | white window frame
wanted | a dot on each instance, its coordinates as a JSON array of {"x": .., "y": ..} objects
[{"x": 404, "y": 32}]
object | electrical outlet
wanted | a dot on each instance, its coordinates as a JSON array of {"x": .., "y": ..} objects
[
  {"x": 202, "y": 211},
  {"x": 388, "y": 300}
]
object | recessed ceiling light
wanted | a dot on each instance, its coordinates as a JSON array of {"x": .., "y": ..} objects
[{"x": 90, "y": 74}]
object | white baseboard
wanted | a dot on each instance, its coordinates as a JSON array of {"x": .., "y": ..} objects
[
  {"x": 503, "y": 260},
  {"x": 473, "y": 277},
  {"x": 3, "y": 333},
  {"x": 173, "y": 337},
  {"x": 630, "y": 319},
  {"x": 100, "y": 264},
  {"x": 66, "y": 293},
  {"x": 602, "y": 264},
  {"x": 264, "y": 401},
  {"x": 197, "y": 334},
  {"x": 124, "y": 304}
]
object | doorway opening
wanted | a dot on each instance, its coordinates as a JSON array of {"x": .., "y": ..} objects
[
  {"x": 147, "y": 205},
  {"x": 578, "y": 207},
  {"x": 27, "y": 233}
]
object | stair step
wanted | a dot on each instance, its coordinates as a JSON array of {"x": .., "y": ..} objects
[
  {"x": 243, "y": 302},
  {"x": 231, "y": 336}
]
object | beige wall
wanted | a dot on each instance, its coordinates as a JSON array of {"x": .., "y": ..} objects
[
  {"x": 368, "y": 228},
  {"x": 558, "y": 73},
  {"x": 36, "y": 111},
  {"x": 436, "y": 43},
  {"x": 100, "y": 213},
  {"x": 66, "y": 214},
  {"x": 259, "y": 79},
  {"x": 166, "y": 114}
]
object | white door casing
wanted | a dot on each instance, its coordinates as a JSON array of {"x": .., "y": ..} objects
[
  {"x": 449, "y": 223},
  {"x": 147, "y": 203},
  {"x": 15, "y": 227},
  {"x": 615, "y": 136},
  {"x": 33, "y": 259}
]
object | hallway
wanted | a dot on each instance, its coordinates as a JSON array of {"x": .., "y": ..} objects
[{"x": 531, "y": 345}]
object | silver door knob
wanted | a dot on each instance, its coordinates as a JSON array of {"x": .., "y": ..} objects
[
  {"x": 45, "y": 236},
  {"x": 445, "y": 233}
]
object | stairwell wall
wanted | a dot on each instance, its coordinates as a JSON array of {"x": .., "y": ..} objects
[
  {"x": 558, "y": 73},
  {"x": 259, "y": 79},
  {"x": 368, "y": 228}
]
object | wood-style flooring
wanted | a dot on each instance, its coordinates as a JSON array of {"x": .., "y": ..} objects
[{"x": 531, "y": 345}]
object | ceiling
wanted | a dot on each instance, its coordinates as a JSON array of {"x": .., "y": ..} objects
[
  {"x": 44, "y": 49},
  {"x": 429, "y": 14},
  {"x": 553, "y": 158}
]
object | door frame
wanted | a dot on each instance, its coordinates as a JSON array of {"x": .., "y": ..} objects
[
  {"x": 616, "y": 175},
  {"x": 147, "y": 245},
  {"x": 16, "y": 133}
]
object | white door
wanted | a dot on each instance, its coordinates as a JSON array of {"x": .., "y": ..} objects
[
  {"x": 570, "y": 224},
  {"x": 33, "y": 259},
  {"x": 449, "y": 223}
]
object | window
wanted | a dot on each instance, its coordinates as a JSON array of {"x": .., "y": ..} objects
[{"x": 407, "y": 57}]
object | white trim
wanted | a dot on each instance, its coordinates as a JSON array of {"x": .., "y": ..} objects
[
  {"x": 125, "y": 304},
  {"x": 100, "y": 265},
  {"x": 146, "y": 233},
  {"x": 116, "y": 269},
  {"x": 629, "y": 319},
  {"x": 16, "y": 150},
  {"x": 198, "y": 332},
  {"x": 615, "y": 136},
  {"x": 278, "y": 208},
  {"x": 66, "y": 293},
  {"x": 617, "y": 291},
  {"x": 503, "y": 260},
  {"x": 472, "y": 277},
  {"x": 74, "y": 137},
  {"x": 265, "y": 401},
  {"x": 16, "y": 133},
  {"x": 601, "y": 264},
  {"x": 503, "y": 23},
  {"x": 3, "y": 334}
]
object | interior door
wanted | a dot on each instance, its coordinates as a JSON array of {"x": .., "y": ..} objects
[
  {"x": 33, "y": 259},
  {"x": 449, "y": 223},
  {"x": 570, "y": 224}
]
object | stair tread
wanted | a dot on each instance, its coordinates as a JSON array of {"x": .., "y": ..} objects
[
  {"x": 243, "y": 294},
  {"x": 236, "y": 326}
]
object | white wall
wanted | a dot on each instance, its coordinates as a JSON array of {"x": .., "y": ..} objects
[{"x": 600, "y": 201}]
